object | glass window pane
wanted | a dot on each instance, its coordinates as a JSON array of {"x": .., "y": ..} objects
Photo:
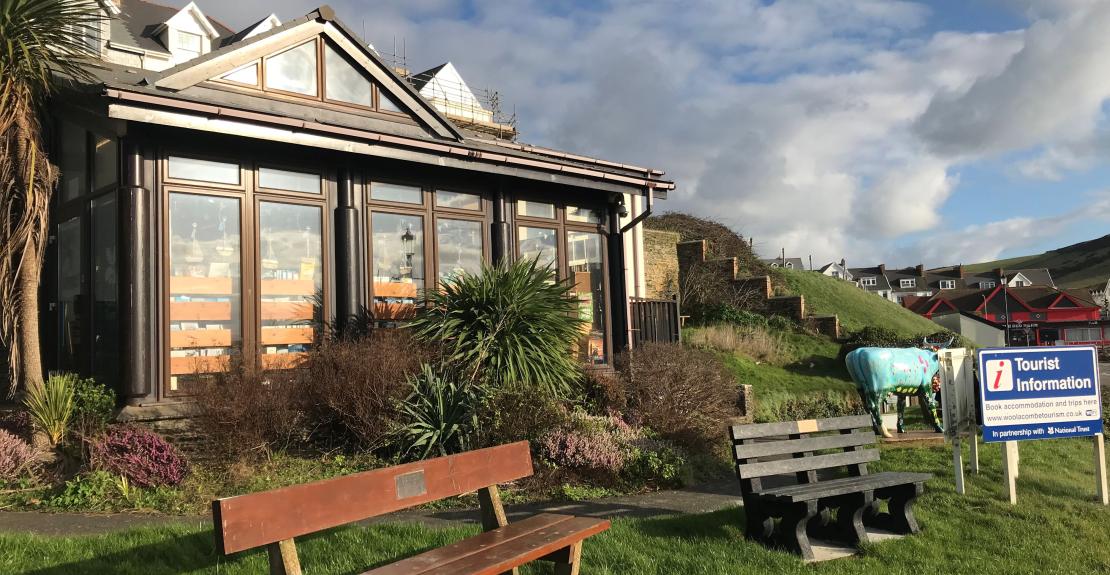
[
  {"x": 535, "y": 209},
  {"x": 458, "y": 200},
  {"x": 396, "y": 193},
  {"x": 286, "y": 180},
  {"x": 74, "y": 160},
  {"x": 398, "y": 245},
  {"x": 105, "y": 162},
  {"x": 244, "y": 75},
  {"x": 459, "y": 247},
  {"x": 293, "y": 70},
  {"x": 539, "y": 244},
  {"x": 69, "y": 294},
  {"x": 387, "y": 103},
  {"x": 203, "y": 170},
  {"x": 105, "y": 284},
  {"x": 291, "y": 244},
  {"x": 344, "y": 82},
  {"x": 591, "y": 216},
  {"x": 205, "y": 307},
  {"x": 587, "y": 276}
]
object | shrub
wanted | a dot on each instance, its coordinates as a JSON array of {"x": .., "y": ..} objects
[
  {"x": 510, "y": 325},
  {"x": 245, "y": 411},
  {"x": 93, "y": 407},
  {"x": 140, "y": 455},
  {"x": 517, "y": 414},
  {"x": 816, "y": 405},
  {"x": 439, "y": 415},
  {"x": 355, "y": 385},
  {"x": 605, "y": 391},
  {"x": 587, "y": 443},
  {"x": 16, "y": 422},
  {"x": 51, "y": 406},
  {"x": 657, "y": 462},
  {"x": 683, "y": 393},
  {"x": 17, "y": 457}
]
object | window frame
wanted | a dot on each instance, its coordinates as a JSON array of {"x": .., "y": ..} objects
[
  {"x": 904, "y": 283},
  {"x": 164, "y": 168},
  {"x": 257, "y": 176},
  {"x": 178, "y": 35},
  {"x": 869, "y": 281},
  {"x": 257, "y": 62},
  {"x": 318, "y": 96},
  {"x": 947, "y": 284}
]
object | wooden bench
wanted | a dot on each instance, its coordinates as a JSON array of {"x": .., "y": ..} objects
[
  {"x": 274, "y": 518},
  {"x": 804, "y": 500}
]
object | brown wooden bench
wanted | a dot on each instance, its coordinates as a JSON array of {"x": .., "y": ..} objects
[
  {"x": 804, "y": 501},
  {"x": 274, "y": 518}
]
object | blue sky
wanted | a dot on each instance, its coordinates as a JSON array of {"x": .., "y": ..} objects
[{"x": 877, "y": 130}]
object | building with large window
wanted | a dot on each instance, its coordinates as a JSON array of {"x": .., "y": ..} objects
[{"x": 285, "y": 173}]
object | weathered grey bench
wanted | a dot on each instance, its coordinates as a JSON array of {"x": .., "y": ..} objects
[
  {"x": 274, "y": 518},
  {"x": 805, "y": 501}
]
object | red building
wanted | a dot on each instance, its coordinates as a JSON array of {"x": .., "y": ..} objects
[{"x": 1033, "y": 315}]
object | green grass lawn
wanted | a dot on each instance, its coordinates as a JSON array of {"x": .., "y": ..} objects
[
  {"x": 1056, "y": 528},
  {"x": 856, "y": 308}
]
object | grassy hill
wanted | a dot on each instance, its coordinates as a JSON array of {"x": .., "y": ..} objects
[
  {"x": 857, "y": 308},
  {"x": 1075, "y": 266}
]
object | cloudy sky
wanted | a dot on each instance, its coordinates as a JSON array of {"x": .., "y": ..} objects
[{"x": 942, "y": 131}]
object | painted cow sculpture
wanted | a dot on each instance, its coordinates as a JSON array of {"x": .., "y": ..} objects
[{"x": 880, "y": 371}]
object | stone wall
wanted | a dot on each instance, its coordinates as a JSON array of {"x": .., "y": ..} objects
[{"x": 660, "y": 264}]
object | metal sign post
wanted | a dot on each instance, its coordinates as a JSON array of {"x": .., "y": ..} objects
[
  {"x": 957, "y": 392},
  {"x": 1041, "y": 393}
]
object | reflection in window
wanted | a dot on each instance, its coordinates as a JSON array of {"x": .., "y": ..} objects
[
  {"x": 586, "y": 273},
  {"x": 105, "y": 288},
  {"x": 538, "y": 244},
  {"x": 205, "y": 285},
  {"x": 396, "y": 193},
  {"x": 105, "y": 162},
  {"x": 290, "y": 242},
  {"x": 70, "y": 298},
  {"x": 458, "y": 200},
  {"x": 590, "y": 216},
  {"x": 286, "y": 180},
  {"x": 203, "y": 170},
  {"x": 344, "y": 82},
  {"x": 459, "y": 245},
  {"x": 387, "y": 103},
  {"x": 74, "y": 160},
  {"x": 244, "y": 75},
  {"x": 293, "y": 70},
  {"x": 398, "y": 247},
  {"x": 535, "y": 209}
]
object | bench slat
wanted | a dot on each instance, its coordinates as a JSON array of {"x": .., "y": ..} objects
[
  {"x": 757, "y": 430},
  {"x": 253, "y": 520},
  {"x": 499, "y": 559},
  {"x": 782, "y": 466},
  {"x": 787, "y": 446},
  {"x": 830, "y": 488},
  {"x": 435, "y": 558}
]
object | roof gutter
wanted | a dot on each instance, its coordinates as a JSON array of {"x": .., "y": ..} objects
[{"x": 449, "y": 150}]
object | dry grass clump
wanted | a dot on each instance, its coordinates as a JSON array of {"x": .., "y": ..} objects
[{"x": 755, "y": 342}]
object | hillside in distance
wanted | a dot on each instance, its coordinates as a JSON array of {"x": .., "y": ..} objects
[{"x": 1076, "y": 266}]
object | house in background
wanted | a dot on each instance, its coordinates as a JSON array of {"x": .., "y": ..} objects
[
  {"x": 874, "y": 280},
  {"x": 220, "y": 195},
  {"x": 445, "y": 88},
  {"x": 838, "y": 270},
  {"x": 1100, "y": 294},
  {"x": 785, "y": 263}
]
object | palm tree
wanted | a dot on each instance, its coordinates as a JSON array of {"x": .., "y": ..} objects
[{"x": 40, "y": 42}]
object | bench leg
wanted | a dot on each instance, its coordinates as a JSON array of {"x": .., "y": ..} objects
[
  {"x": 567, "y": 560},
  {"x": 283, "y": 558},
  {"x": 758, "y": 526},
  {"x": 849, "y": 517},
  {"x": 900, "y": 517},
  {"x": 795, "y": 523}
]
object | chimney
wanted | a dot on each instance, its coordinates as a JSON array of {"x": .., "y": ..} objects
[
  {"x": 998, "y": 273},
  {"x": 882, "y": 269},
  {"x": 920, "y": 270},
  {"x": 843, "y": 263},
  {"x": 960, "y": 271}
]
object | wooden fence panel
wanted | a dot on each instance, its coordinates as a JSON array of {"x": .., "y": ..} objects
[{"x": 654, "y": 320}]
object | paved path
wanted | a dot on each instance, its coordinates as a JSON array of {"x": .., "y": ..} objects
[{"x": 698, "y": 499}]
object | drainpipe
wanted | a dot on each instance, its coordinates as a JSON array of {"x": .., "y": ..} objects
[
  {"x": 348, "y": 295},
  {"x": 618, "y": 294},
  {"x": 134, "y": 245},
  {"x": 500, "y": 231}
]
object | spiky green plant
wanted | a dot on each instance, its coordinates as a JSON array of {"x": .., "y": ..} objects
[
  {"x": 512, "y": 325},
  {"x": 40, "y": 41},
  {"x": 438, "y": 415},
  {"x": 51, "y": 406}
]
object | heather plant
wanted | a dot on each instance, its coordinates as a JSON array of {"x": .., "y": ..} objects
[
  {"x": 584, "y": 449},
  {"x": 17, "y": 422},
  {"x": 140, "y": 455},
  {"x": 513, "y": 324},
  {"x": 17, "y": 457},
  {"x": 51, "y": 406}
]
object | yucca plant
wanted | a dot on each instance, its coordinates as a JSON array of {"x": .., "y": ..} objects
[
  {"x": 40, "y": 41},
  {"x": 513, "y": 324},
  {"x": 438, "y": 415},
  {"x": 51, "y": 406}
]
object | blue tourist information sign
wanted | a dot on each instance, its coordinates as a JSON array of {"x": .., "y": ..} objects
[{"x": 1039, "y": 393}]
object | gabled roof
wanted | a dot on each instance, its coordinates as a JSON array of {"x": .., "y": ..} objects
[
  {"x": 264, "y": 25},
  {"x": 138, "y": 23},
  {"x": 792, "y": 263}
]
